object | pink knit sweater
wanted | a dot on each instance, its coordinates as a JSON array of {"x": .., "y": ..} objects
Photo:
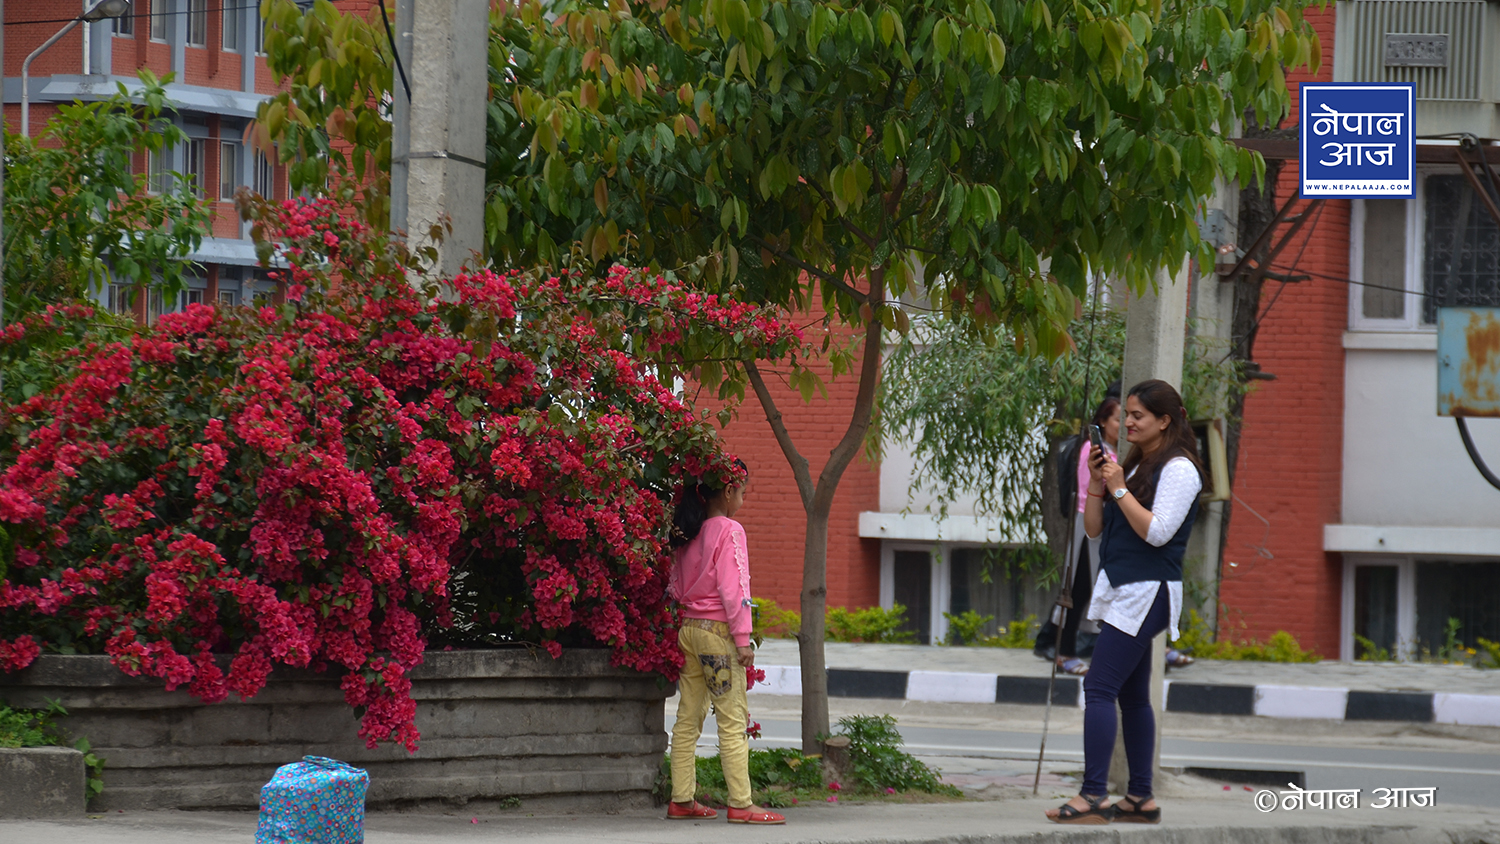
[{"x": 711, "y": 577}]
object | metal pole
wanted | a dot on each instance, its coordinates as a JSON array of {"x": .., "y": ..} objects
[{"x": 26, "y": 75}]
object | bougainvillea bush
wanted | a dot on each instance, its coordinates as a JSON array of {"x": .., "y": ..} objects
[{"x": 370, "y": 470}]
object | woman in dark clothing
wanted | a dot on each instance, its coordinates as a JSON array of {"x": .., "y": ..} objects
[{"x": 1142, "y": 512}]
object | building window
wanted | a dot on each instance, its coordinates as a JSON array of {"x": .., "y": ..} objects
[
  {"x": 265, "y": 177},
  {"x": 1405, "y": 608},
  {"x": 1410, "y": 257},
  {"x": 1375, "y": 596},
  {"x": 1384, "y": 293},
  {"x": 1455, "y": 605},
  {"x": 192, "y": 297},
  {"x": 158, "y": 170},
  {"x": 156, "y": 305},
  {"x": 231, "y": 26},
  {"x": 228, "y": 298},
  {"x": 124, "y": 25},
  {"x": 160, "y": 20},
  {"x": 1460, "y": 248},
  {"x": 912, "y": 581},
  {"x": 260, "y": 36},
  {"x": 197, "y": 23},
  {"x": 117, "y": 299},
  {"x": 229, "y": 170},
  {"x": 197, "y": 165}
]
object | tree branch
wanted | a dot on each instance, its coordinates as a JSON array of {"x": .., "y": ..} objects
[
  {"x": 821, "y": 275},
  {"x": 794, "y": 458},
  {"x": 864, "y": 405},
  {"x": 870, "y": 242}
]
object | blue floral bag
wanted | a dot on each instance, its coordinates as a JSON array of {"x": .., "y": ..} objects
[{"x": 315, "y": 801}]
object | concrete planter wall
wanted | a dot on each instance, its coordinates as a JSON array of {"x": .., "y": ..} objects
[{"x": 495, "y": 724}]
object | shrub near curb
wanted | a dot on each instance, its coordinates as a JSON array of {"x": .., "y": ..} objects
[
  {"x": 331, "y": 482},
  {"x": 781, "y": 777}
]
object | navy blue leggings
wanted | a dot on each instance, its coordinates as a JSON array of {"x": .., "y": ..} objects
[{"x": 1121, "y": 671}]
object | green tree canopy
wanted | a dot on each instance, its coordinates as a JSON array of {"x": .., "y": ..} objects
[{"x": 984, "y": 156}]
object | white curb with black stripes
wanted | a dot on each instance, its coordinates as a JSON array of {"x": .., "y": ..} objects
[{"x": 1267, "y": 701}]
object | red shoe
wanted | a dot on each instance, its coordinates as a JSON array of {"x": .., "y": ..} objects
[
  {"x": 753, "y": 814},
  {"x": 694, "y": 811}
]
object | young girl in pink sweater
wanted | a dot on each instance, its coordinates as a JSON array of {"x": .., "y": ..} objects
[{"x": 711, "y": 581}]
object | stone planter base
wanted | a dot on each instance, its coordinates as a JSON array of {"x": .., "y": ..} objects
[
  {"x": 495, "y": 725},
  {"x": 41, "y": 782}
]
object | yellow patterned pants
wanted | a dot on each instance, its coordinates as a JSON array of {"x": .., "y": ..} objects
[{"x": 710, "y": 673}]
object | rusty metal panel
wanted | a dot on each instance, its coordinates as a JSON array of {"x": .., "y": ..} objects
[{"x": 1468, "y": 354}]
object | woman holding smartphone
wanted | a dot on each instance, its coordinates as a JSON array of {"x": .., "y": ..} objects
[{"x": 1142, "y": 511}]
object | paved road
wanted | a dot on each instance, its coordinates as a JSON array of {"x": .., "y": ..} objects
[
  {"x": 1461, "y": 777},
  {"x": 1466, "y": 772}
]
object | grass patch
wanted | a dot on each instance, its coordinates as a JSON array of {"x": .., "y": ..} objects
[{"x": 781, "y": 777}]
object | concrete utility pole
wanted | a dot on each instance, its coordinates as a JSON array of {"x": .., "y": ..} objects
[
  {"x": 1155, "y": 330},
  {"x": 437, "y": 167}
]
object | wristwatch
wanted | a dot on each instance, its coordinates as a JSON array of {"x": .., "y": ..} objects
[{"x": 1120, "y": 493}]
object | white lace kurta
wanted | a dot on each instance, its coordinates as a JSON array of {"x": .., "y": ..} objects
[{"x": 1125, "y": 607}]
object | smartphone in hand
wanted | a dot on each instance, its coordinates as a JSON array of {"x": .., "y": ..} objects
[{"x": 1097, "y": 438}]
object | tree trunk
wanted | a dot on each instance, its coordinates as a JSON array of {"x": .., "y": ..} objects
[
  {"x": 817, "y": 504},
  {"x": 810, "y": 639},
  {"x": 836, "y": 760},
  {"x": 1257, "y": 209}
]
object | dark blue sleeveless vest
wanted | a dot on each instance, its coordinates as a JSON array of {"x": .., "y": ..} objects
[{"x": 1127, "y": 558}]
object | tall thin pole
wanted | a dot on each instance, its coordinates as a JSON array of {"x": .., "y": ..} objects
[{"x": 1065, "y": 596}]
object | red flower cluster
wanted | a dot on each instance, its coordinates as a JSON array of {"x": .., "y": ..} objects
[{"x": 335, "y": 482}]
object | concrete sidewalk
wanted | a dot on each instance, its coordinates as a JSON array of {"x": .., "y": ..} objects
[
  {"x": 1413, "y": 692},
  {"x": 1186, "y": 821}
]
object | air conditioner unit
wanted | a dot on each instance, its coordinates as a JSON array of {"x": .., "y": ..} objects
[{"x": 1449, "y": 50}]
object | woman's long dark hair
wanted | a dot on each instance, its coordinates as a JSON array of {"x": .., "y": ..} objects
[
  {"x": 692, "y": 508},
  {"x": 1107, "y": 408},
  {"x": 1160, "y": 399}
]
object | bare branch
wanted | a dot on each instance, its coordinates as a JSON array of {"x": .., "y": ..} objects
[
  {"x": 870, "y": 242},
  {"x": 864, "y": 406},
  {"x": 821, "y": 275},
  {"x": 794, "y": 458}
]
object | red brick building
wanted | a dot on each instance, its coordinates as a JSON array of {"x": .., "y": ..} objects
[
  {"x": 1357, "y": 510},
  {"x": 219, "y": 77}
]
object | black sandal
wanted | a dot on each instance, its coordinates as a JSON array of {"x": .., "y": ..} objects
[
  {"x": 1135, "y": 814},
  {"x": 1092, "y": 815}
]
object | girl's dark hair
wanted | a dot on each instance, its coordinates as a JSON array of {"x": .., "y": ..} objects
[
  {"x": 692, "y": 508},
  {"x": 1107, "y": 408},
  {"x": 1160, "y": 399}
]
